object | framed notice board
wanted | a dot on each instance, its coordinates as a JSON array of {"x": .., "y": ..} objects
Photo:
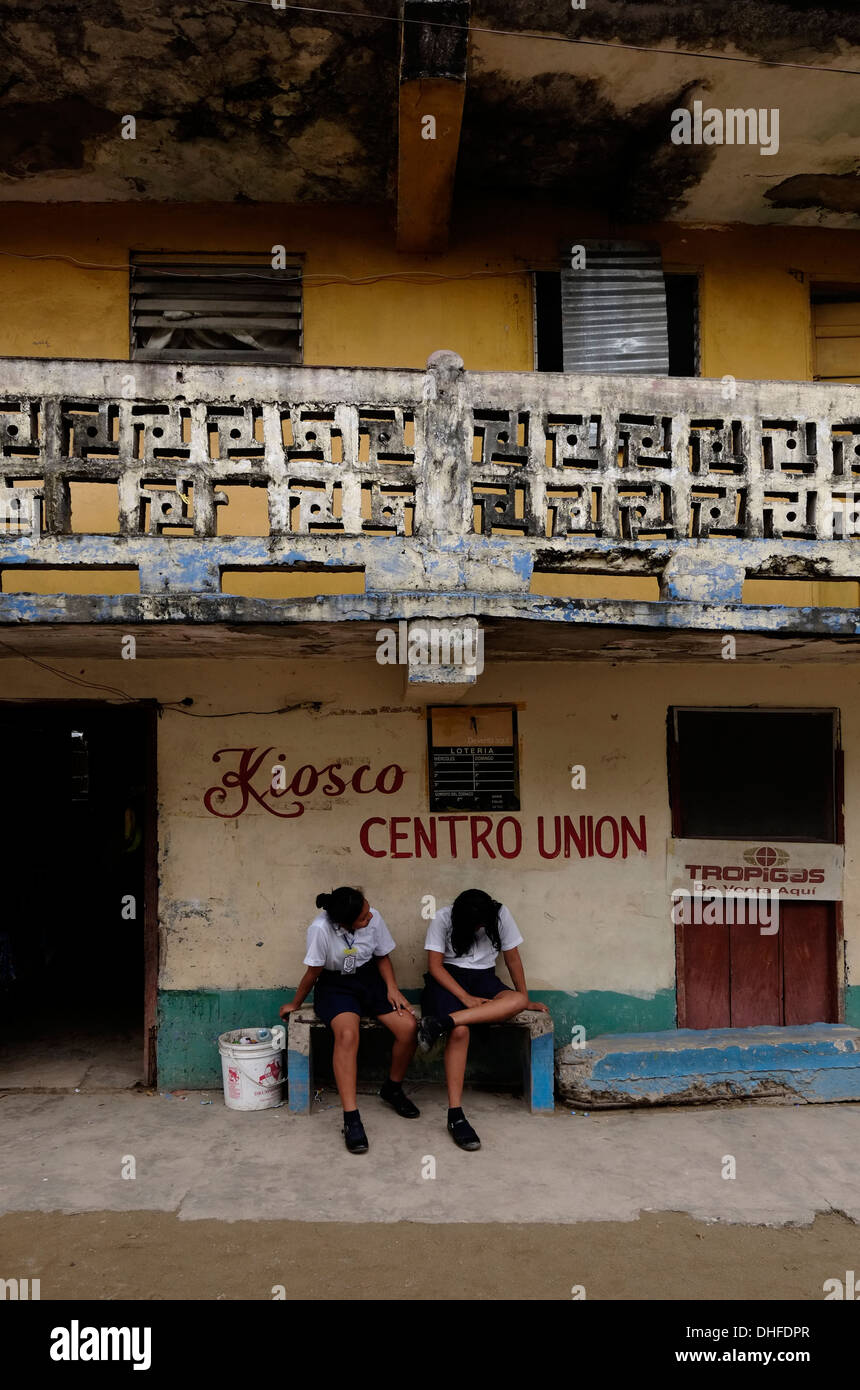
[{"x": 473, "y": 758}]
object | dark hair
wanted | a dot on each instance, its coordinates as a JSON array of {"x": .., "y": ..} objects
[
  {"x": 471, "y": 910},
  {"x": 342, "y": 906}
]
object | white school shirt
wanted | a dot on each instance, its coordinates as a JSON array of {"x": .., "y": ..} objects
[
  {"x": 483, "y": 954},
  {"x": 327, "y": 943}
]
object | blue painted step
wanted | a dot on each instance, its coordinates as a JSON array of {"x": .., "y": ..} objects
[{"x": 816, "y": 1062}]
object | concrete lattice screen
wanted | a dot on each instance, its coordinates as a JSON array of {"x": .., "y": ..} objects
[{"x": 428, "y": 483}]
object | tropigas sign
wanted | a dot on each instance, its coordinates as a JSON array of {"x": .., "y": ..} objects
[{"x": 794, "y": 870}]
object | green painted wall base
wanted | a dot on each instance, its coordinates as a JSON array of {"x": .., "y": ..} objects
[{"x": 189, "y": 1022}]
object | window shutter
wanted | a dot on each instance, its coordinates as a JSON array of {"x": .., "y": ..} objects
[
  {"x": 836, "y": 325},
  {"x": 613, "y": 310},
  {"x": 231, "y": 310}
]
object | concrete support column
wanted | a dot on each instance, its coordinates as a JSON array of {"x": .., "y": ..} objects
[{"x": 444, "y": 468}]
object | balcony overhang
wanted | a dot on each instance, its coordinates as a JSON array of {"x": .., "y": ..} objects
[
  {"x": 536, "y": 630},
  {"x": 447, "y": 491}
]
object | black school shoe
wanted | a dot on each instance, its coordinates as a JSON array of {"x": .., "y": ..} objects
[
  {"x": 463, "y": 1134},
  {"x": 430, "y": 1030},
  {"x": 354, "y": 1135},
  {"x": 394, "y": 1094}
]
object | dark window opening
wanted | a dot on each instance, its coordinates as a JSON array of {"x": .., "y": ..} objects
[
  {"x": 682, "y": 314},
  {"x": 744, "y": 775},
  {"x": 548, "y": 339}
]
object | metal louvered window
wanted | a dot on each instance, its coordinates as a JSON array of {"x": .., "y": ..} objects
[
  {"x": 233, "y": 308},
  {"x": 613, "y": 311}
]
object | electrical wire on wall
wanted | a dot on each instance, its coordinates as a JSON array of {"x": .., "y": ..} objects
[{"x": 171, "y": 706}]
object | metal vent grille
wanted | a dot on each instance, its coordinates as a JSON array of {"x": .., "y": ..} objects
[
  {"x": 614, "y": 310},
  {"x": 235, "y": 309}
]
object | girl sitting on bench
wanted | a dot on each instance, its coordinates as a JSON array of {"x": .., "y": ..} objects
[
  {"x": 349, "y": 970},
  {"x": 462, "y": 988}
]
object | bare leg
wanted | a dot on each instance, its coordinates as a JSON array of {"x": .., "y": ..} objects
[
  {"x": 405, "y": 1030},
  {"x": 505, "y": 1005},
  {"x": 456, "y": 1051},
  {"x": 345, "y": 1029}
]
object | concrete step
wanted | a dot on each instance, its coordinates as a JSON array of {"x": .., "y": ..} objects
[{"x": 816, "y": 1062}]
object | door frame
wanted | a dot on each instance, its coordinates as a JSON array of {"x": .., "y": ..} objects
[
  {"x": 149, "y": 710},
  {"x": 673, "y": 782}
]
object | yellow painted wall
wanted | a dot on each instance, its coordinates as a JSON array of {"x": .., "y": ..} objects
[
  {"x": 59, "y": 309},
  {"x": 756, "y": 319},
  {"x": 601, "y": 924}
]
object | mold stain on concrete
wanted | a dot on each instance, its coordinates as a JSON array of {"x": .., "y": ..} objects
[
  {"x": 262, "y": 81},
  {"x": 564, "y": 135},
  {"x": 39, "y": 136}
]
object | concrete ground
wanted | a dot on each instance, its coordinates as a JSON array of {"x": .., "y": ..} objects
[
  {"x": 630, "y": 1204},
  {"x": 61, "y": 1048}
]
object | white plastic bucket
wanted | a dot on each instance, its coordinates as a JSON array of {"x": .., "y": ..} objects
[{"x": 253, "y": 1072}]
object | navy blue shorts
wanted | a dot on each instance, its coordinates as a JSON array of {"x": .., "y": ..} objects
[
  {"x": 438, "y": 1001},
  {"x": 363, "y": 992}
]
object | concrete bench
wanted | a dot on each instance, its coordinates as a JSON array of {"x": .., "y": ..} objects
[{"x": 535, "y": 1028}]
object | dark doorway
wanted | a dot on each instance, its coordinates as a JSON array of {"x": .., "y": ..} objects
[
  {"x": 77, "y": 936},
  {"x": 756, "y": 776}
]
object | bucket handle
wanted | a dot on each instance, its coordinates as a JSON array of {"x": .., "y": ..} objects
[{"x": 268, "y": 1083}]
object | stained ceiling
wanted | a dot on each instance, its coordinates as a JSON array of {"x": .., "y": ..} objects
[{"x": 244, "y": 102}]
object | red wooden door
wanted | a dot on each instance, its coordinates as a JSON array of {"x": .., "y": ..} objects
[
  {"x": 808, "y": 933},
  {"x": 755, "y": 976},
  {"x": 735, "y": 977},
  {"x": 705, "y": 953}
]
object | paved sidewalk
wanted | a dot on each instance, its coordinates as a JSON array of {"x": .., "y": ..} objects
[{"x": 66, "y": 1153}]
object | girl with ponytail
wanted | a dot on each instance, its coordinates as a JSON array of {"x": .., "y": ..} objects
[{"x": 349, "y": 970}]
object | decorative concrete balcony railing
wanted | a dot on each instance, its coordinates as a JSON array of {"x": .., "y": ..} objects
[{"x": 438, "y": 485}]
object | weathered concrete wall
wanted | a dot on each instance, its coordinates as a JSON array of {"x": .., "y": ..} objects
[{"x": 237, "y": 890}]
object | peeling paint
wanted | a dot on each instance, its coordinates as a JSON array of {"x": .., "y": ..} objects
[
  {"x": 787, "y": 445},
  {"x": 830, "y": 192},
  {"x": 817, "y": 1062}
]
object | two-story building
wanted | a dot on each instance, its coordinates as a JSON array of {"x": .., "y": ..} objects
[{"x": 326, "y": 334}]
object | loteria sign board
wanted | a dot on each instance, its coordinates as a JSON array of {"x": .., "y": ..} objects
[{"x": 806, "y": 871}]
